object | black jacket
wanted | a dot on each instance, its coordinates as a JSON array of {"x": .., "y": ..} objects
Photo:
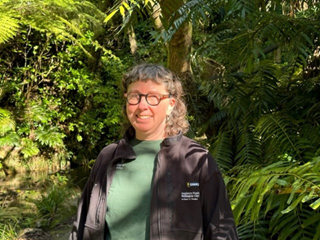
[{"x": 189, "y": 198}]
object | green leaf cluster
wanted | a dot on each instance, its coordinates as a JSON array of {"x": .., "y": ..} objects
[
  {"x": 59, "y": 87},
  {"x": 257, "y": 67}
]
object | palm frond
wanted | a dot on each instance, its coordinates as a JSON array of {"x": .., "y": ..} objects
[
  {"x": 280, "y": 182},
  {"x": 256, "y": 32},
  {"x": 129, "y": 11}
]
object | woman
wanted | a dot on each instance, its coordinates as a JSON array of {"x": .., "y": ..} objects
[{"x": 154, "y": 183}]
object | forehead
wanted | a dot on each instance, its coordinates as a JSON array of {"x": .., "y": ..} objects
[{"x": 146, "y": 86}]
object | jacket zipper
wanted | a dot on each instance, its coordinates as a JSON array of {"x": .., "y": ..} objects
[
  {"x": 158, "y": 190},
  {"x": 102, "y": 200},
  {"x": 169, "y": 196}
]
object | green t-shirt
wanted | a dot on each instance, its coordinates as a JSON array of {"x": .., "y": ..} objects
[{"x": 128, "y": 203}]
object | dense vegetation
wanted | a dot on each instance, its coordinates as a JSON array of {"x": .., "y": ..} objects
[{"x": 251, "y": 74}]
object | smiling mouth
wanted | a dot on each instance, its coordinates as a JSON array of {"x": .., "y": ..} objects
[{"x": 143, "y": 116}]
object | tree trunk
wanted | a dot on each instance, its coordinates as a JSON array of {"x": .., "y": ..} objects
[{"x": 179, "y": 46}]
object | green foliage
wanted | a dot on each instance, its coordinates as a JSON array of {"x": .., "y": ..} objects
[
  {"x": 256, "y": 65},
  {"x": 49, "y": 136},
  {"x": 59, "y": 85},
  {"x": 262, "y": 117},
  {"x": 9, "y": 25},
  {"x": 51, "y": 203},
  {"x": 6, "y": 122},
  {"x": 291, "y": 184},
  {"x": 7, "y": 232}
]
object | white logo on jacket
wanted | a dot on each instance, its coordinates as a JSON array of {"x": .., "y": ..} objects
[{"x": 191, "y": 195}]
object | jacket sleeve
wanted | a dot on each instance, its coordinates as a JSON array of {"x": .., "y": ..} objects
[
  {"x": 83, "y": 206},
  {"x": 218, "y": 218}
]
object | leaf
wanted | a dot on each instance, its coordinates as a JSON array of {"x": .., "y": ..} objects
[
  {"x": 126, "y": 5},
  {"x": 315, "y": 204},
  {"x": 11, "y": 139},
  {"x": 293, "y": 205},
  {"x": 49, "y": 136},
  {"x": 29, "y": 148},
  {"x": 317, "y": 235},
  {"x": 110, "y": 16},
  {"x": 9, "y": 26},
  {"x": 122, "y": 11},
  {"x": 312, "y": 219},
  {"x": 310, "y": 196},
  {"x": 6, "y": 122}
]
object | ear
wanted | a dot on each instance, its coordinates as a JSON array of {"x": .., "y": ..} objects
[{"x": 172, "y": 103}]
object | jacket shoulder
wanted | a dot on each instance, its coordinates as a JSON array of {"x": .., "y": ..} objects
[
  {"x": 106, "y": 154},
  {"x": 109, "y": 148},
  {"x": 192, "y": 144}
]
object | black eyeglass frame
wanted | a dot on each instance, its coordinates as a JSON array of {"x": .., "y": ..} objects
[{"x": 162, "y": 96}]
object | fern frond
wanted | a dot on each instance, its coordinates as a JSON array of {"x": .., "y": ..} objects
[
  {"x": 68, "y": 20},
  {"x": 10, "y": 139},
  {"x": 259, "y": 230},
  {"x": 6, "y": 122},
  {"x": 9, "y": 26},
  {"x": 29, "y": 148},
  {"x": 49, "y": 136},
  {"x": 36, "y": 112},
  {"x": 222, "y": 151},
  {"x": 248, "y": 147},
  {"x": 298, "y": 225},
  {"x": 280, "y": 131}
]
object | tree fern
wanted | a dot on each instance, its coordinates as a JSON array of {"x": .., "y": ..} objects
[
  {"x": 67, "y": 20},
  {"x": 248, "y": 147},
  {"x": 9, "y": 26},
  {"x": 279, "y": 131},
  {"x": 222, "y": 151}
]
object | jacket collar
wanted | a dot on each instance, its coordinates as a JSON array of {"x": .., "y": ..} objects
[
  {"x": 129, "y": 134},
  {"x": 171, "y": 140}
]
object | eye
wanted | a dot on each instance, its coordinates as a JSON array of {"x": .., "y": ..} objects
[
  {"x": 133, "y": 96},
  {"x": 153, "y": 98}
]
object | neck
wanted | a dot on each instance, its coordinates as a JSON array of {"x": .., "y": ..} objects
[{"x": 146, "y": 137}]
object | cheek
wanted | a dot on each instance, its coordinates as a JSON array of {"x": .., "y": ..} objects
[{"x": 130, "y": 110}]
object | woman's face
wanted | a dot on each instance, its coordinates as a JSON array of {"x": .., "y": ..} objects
[{"x": 149, "y": 121}]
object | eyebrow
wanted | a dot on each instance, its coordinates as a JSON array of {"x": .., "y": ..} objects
[{"x": 137, "y": 91}]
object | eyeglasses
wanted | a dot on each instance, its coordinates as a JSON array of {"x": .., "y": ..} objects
[{"x": 152, "y": 99}]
